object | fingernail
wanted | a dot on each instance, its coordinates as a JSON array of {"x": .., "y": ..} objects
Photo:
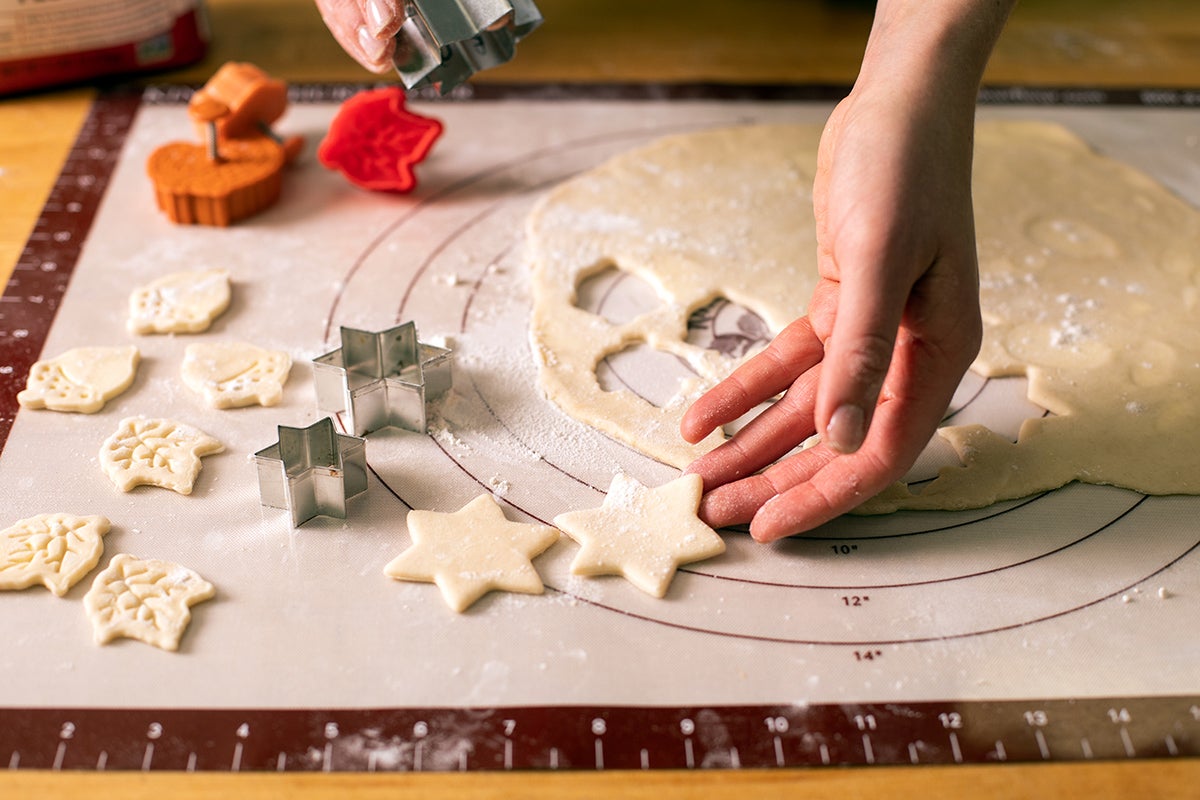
[
  {"x": 380, "y": 15},
  {"x": 846, "y": 429},
  {"x": 371, "y": 47},
  {"x": 762, "y": 520}
]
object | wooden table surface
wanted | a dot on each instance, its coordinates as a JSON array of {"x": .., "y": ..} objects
[{"x": 1096, "y": 43}]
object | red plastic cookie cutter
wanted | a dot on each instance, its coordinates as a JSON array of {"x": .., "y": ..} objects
[{"x": 375, "y": 141}]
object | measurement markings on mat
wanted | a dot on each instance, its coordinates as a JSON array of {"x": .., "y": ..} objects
[{"x": 595, "y": 738}]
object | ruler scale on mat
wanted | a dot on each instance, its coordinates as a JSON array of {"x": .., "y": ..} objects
[
  {"x": 600, "y": 738},
  {"x": 104, "y": 734}
]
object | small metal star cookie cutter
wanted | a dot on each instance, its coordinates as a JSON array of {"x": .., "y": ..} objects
[
  {"x": 382, "y": 379},
  {"x": 312, "y": 471},
  {"x": 442, "y": 44}
]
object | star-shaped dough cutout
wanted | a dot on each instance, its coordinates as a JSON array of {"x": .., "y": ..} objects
[
  {"x": 642, "y": 534},
  {"x": 471, "y": 552}
]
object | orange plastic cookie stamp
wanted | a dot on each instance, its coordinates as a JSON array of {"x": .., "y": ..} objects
[{"x": 237, "y": 171}]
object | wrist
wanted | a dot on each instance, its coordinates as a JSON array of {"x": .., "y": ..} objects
[{"x": 934, "y": 49}]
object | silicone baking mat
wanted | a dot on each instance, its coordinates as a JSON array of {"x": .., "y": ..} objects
[{"x": 1061, "y": 626}]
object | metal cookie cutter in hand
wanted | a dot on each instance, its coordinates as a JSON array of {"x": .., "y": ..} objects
[
  {"x": 382, "y": 379},
  {"x": 442, "y": 43},
  {"x": 312, "y": 471}
]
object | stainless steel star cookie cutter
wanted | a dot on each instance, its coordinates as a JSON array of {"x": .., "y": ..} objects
[
  {"x": 312, "y": 471},
  {"x": 442, "y": 44},
  {"x": 382, "y": 378}
]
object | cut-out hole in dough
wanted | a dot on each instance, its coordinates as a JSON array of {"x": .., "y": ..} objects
[
  {"x": 728, "y": 328},
  {"x": 1002, "y": 404},
  {"x": 653, "y": 375},
  {"x": 732, "y": 428},
  {"x": 616, "y": 295}
]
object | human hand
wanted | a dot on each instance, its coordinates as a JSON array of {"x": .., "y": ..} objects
[
  {"x": 365, "y": 29},
  {"x": 892, "y": 326}
]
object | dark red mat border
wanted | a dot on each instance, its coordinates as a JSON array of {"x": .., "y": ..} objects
[
  {"x": 43, "y": 270},
  {"x": 597, "y": 738}
]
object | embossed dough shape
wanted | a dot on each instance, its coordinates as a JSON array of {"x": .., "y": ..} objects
[
  {"x": 55, "y": 550},
  {"x": 82, "y": 379}
]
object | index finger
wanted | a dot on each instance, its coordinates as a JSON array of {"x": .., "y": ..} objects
[{"x": 793, "y": 352}]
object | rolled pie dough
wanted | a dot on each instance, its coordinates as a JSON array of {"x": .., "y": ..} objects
[
  {"x": 1090, "y": 281},
  {"x": 724, "y": 213}
]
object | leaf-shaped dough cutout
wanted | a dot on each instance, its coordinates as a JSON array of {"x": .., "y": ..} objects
[
  {"x": 182, "y": 302},
  {"x": 82, "y": 379},
  {"x": 55, "y": 550},
  {"x": 144, "y": 599},
  {"x": 235, "y": 374},
  {"x": 155, "y": 452}
]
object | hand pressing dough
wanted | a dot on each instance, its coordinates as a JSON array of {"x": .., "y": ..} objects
[
  {"x": 81, "y": 380},
  {"x": 642, "y": 534},
  {"x": 471, "y": 552},
  {"x": 144, "y": 599},
  {"x": 55, "y": 550},
  {"x": 235, "y": 374},
  {"x": 724, "y": 213},
  {"x": 155, "y": 452},
  {"x": 182, "y": 302},
  {"x": 1090, "y": 279},
  {"x": 1090, "y": 285}
]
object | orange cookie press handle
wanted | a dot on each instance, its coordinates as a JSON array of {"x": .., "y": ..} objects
[
  {"x": 237, "y": 171},
  {"x": 241, "y": 99}
]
